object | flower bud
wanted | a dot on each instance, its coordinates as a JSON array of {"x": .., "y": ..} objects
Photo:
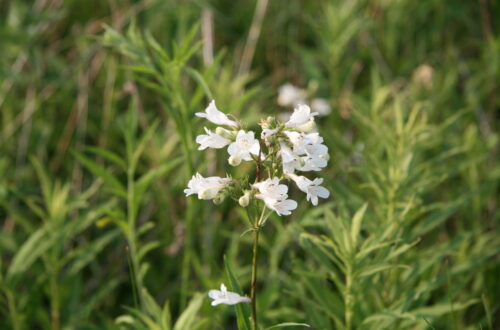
[
  {"x": 223, "y": 132},
  {"x": 307, "y": 127},
  {"x": 234, "y": 160},
  {"x": 245, "y": 199}
]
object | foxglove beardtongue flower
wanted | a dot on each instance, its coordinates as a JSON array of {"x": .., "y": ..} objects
[
  {"x": 301, "y": 116},
  {"x": 308, "y": 152},
  {"x": 206, "y": 188},
  {"x": 275, "y": 196},
  {"x": 267, "y": 133},
  {"x": 216, "y": 116},
  {"x": 311, "y": 188},
  {"x": 244, "y": 146},
  {"x": 211, "y": 140},
  {"x": 282, "y": 207},
  {"x": 286, "y": 143},
  {"x": 321, "y": 106},
  {"x": 225, "y": 297},
  {"x": 289, "y": 95},
  {"x": 290, "y": 160}
]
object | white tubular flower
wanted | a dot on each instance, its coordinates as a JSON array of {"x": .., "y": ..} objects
[
  {"x": 267, "y": 133},
  {"x": 313, "y": 145},
  {"x": 225, "y": 297},
  {"x": 211, "y": 140},
  {"x": 308, "y": 163},
  {"x": 300, "y": 116},
  {"x": 289, "y": 95},
  {"x": 216, "y": 116},
  {"x": 282, "y": 207},
  {"x": 275, "y": 196},
  {"x": 271, "y": 188},
  {"x": 321, "y": 106},
  {"x": 311, "y": 188},
  {"x": 244, "y": 145},
  {"x": 206, "y": 188},
  {"x": 308, "y": 151},
  {"x": 290, "y": 160}
]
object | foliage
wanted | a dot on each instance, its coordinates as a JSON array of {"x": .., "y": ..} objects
[{"x": 97, "y": 127}]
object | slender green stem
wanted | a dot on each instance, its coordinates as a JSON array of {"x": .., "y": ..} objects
[
  {"x": 253, "y": 288},
  {"x": 348, "y": 298},
  {"x": 253, "y": 292},
  {"x": 132, "y": 234},
  {"x": 15, "y": 320},
  {"x": 54, "y": 302}
]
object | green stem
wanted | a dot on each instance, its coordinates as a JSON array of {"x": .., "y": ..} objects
[
  {"x": 16, "y": 324},
  {"x": 253, "y": 292},
  {"x": 54, "y": 302},
  {"x": 253, "y": 288},
  {"x": 132, "y": 237},
  {"x": 348, "y": 298}
]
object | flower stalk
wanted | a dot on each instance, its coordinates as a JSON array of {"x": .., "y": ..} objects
[
  {"x": 280, "y": 150},
  {"x": 253, "y": 290}
]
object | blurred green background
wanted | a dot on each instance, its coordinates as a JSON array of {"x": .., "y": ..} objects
[{"x": 97, "y": 103}]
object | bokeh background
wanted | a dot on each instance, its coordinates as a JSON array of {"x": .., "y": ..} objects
[{"x": 97, "y": 103}]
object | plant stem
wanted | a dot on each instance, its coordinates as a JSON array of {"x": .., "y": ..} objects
[
  {"x": 253, "y": 289},
  {"x": 54, "y": 302},
  {"x": 15, "y": 320},
  {"x": 253, "y": 292},
  {"x": 132, "y": 234},
  {"x": 348, "y": 298}
]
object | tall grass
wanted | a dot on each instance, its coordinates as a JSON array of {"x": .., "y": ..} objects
[{"x": 97, "y": 136}]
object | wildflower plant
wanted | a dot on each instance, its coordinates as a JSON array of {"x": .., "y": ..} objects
[{"x": 281, "y": 153}]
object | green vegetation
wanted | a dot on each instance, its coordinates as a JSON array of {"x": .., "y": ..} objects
[{"x": 97, "y": 103}]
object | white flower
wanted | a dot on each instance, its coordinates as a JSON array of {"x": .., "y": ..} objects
[
  {"x": 211, "y": 140},
  {"x": 225, "y": 297},
  {"x": 289, "y": 95},
  {"x": 267, "y": 132},
  {"x": 311, "y": 188},
  {"x": 271, "y": 188},
  {"x": 275, "y": 196},
  {"x": 290, "y": 160},
  {"x": 321, "y": 106},
  {"x": 282, "y": 207},
  {"x": 300, "y": 116},
  {"x": 206, "y": 188},
  {"x": 311, "y": 163},
  {"x": 313, "y": 144},
  {"x": 244, "y": 145},
  {"x": 216, "y": 116},
  {"x": 308, "y": 152}
]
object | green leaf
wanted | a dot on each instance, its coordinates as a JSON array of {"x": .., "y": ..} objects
[
  {"x": 83, "y": 256},
  {"x": 198, "y": 77},
  {"x": 108, "y": 155},
  {"x": 356, "y": 224},
  {"x": 370, "y": 270},
  {"x": 188, "y": 316},
  {"x": 440, "y": 309},
  {"x": 35, "y": 246},
  {"x": 289, "y": 324},
  {"x": 102, "y": 173}
]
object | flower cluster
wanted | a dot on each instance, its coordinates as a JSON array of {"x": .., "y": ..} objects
[{"x": 281, "y": 153}]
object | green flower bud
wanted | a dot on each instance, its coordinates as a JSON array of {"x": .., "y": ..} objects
[
  {"x": 234, "y": 160},
  {"x": 245, "y": 199}
]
